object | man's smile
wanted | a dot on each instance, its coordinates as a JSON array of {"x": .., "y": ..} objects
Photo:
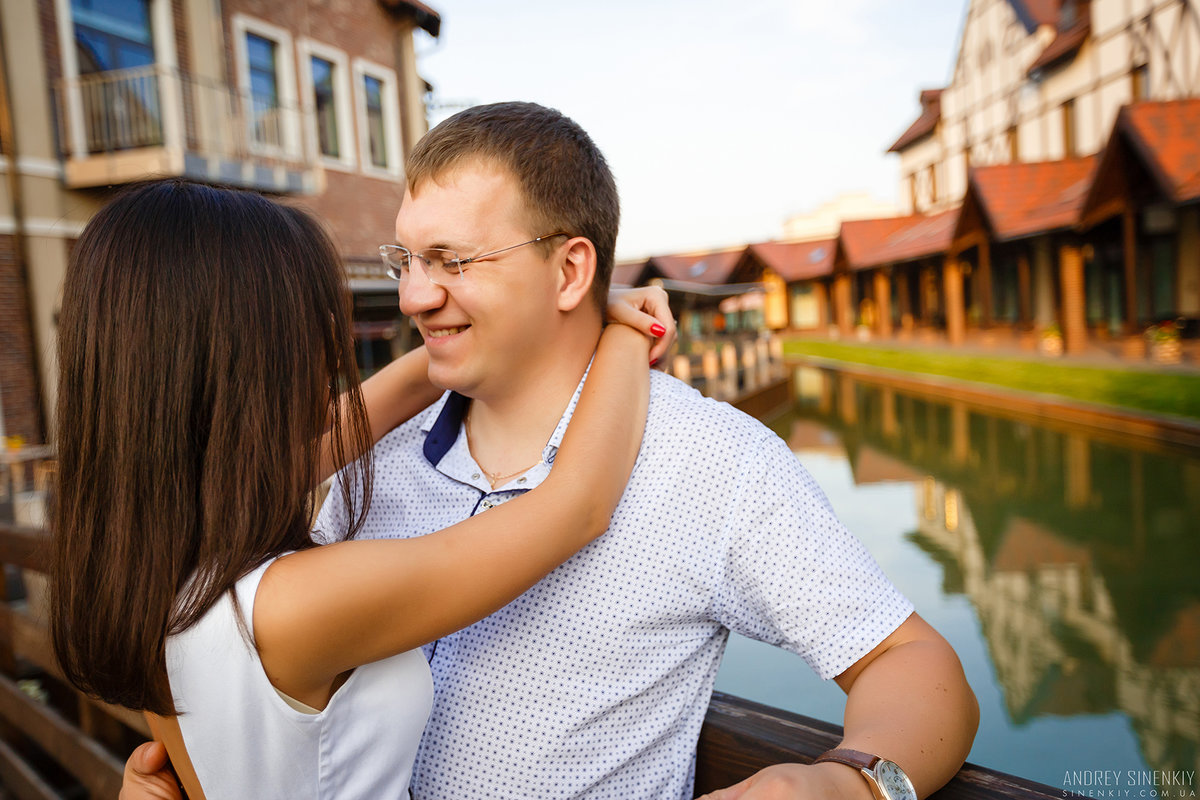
[{"x": 438, "y": 333}]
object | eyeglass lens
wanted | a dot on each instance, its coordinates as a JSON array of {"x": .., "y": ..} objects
[{"x": 440, "y": 265}]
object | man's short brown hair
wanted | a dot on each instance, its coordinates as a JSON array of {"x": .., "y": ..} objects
[{"x": 565, "y": 180}]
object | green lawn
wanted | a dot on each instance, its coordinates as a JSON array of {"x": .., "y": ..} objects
[{"x": 1158, "y": 392}]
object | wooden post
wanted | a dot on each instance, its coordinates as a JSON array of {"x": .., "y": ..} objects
[
  {"x": 729, "y": 369},
  {"x": 847, "y": 399},
  {"x": 1074, "y": 325},
  {"x": 821, "y": 293},
  {"x": 1078, "y": 465},
  {"x": 906, "y": 300},
  {"x": 749, "y": 367},
  {"x": 841, "y": 304},
  {"x": 1024, "y": 290},
  {"x": 883, "y": 303},
  {"x": 681, "y": 368},
  {"x": 891, "y": 424},
  {"x": 960, "y": 433},
  {"x": 1129, "y": 248},
  {"x": 955, "y": 314},
  {"x": 987, "y": 307}
]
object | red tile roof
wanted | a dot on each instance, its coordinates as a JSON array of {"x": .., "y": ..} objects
[
  {"x": 1037, "y": 12},
  {"x": 711, "y": 268},
  {"x": 796, "y": 261},
  {"x": 1180, "y": 646},
  {"x": 867, "y": 243},
  {"x": 1023, "y": 199},
  {"x": 874, "y": 466},
  {"x": 931, "y": 112},
  {"x": 1027, "y": 546},
  {"x": 423, "y": 15},
  {"x": 1164, "y": 134},
  {"x": 1063, "y": 45},
  {"x": 628, "y": 273}
]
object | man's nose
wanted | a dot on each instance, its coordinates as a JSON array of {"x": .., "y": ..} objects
[{"x": 419, "y": 294}]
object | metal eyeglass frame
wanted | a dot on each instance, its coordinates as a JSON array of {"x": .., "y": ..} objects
[{"x": 397, "y": 272}]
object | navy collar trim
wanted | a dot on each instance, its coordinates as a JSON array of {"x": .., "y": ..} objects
[{"x": 444, "y": 432}]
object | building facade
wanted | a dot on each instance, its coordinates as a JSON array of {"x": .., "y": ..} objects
[
  {"x": 1043, "y": 80},
  {"x": 313, "y": 101}
]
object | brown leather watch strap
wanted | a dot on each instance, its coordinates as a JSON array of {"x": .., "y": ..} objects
[{"x": 852, "y": 758}]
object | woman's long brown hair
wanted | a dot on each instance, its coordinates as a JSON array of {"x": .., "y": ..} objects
[{"x": 202, "y": 336}]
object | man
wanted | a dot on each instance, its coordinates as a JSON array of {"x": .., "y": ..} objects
[{"x": 595, "y": 682}]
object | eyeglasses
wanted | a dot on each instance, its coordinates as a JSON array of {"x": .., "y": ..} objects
[{"x": 441, "y": 266}]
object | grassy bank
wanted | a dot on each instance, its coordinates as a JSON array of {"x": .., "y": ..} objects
[{"x": 1158, "y": 392}]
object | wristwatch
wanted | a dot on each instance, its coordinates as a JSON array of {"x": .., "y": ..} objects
[{"x": 886, "y": 779}]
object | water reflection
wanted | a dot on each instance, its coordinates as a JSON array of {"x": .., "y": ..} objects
[{"x": 1079, "y": 552}]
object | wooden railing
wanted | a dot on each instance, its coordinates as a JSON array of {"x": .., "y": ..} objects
[
  {"x": 55, "y": 743},
  {"x": 741, "y": 737}
]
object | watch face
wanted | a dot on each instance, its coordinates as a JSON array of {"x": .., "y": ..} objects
[{"x": 893, "y": 781}]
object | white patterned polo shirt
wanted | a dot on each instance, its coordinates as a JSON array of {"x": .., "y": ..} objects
[{"x": 595, "y": 682}]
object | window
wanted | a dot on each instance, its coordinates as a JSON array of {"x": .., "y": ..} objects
[
  {"x": 264, "y": 89},
  {"x": 326, "y": 113},
  {"x": 120, "y": 111},
  {"x": 1068, "y": 128},
  {"x": 267, "y": 81},
  {"x": 329, "y": 123},
  {"x": 912, "y": 191},
  {"x": 933, "y": 195},
  {"x": 112, "y": 35},
  {"x": 378, "y": 99},
  {"x": 376, "y": 138},
  {"x": 1014, "y": 145}
]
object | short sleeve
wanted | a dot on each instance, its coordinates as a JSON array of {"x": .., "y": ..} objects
[
  {"x": 331, "y": 523},
  {"x": 793, "y": 575}
]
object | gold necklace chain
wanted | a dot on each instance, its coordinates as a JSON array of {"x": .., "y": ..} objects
[{"x": 494, "y": 478}]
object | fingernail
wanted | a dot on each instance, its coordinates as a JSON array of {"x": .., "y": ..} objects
[
  {"x": 654, "y": 362},
  {"x": 657, "y": 330}
]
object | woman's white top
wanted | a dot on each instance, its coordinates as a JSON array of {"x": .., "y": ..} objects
[{"x": 246, "y": 741}]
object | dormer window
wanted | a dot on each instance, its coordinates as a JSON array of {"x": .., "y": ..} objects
[{"x": 1068, "y": 15}]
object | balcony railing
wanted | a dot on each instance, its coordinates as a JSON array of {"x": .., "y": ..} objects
[
  {"x": 130, "y": 124},
  {"x": 121, "y": 110}
]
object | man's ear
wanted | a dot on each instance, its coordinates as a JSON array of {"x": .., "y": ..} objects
[{"x": 576, "y": 273}]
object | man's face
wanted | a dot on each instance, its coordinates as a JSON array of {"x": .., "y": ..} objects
[{"x": 484, "y": 332}]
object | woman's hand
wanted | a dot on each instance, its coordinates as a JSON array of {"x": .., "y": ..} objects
[{"x": 646, "y": 309}]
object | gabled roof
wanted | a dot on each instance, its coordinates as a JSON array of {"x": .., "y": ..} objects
[
  {"x": 1027, "y": 546},
  {"x": 875, "y": 466},
  {"x": 794, "y": 261},
  {"x": 1165, "y": 135},
  {"x": 1161, "y": 137},
  {"x": 931, "y": 112},
  {"x": 1064, "y": 45},
  {"x": 1035, "y": 13},
  {"x": 710, "y": 268},
  {"x": 424, "y": 16},
  {"x": 632, "y": 273},
  {"x": 1020, "y": 200},
  {"x": 868, "y": 243}
]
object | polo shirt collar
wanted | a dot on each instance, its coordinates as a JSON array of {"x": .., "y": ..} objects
[{"x": 445, "y": 419}]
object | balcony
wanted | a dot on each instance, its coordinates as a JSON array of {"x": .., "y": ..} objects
[{"x": 129, "y": 125}]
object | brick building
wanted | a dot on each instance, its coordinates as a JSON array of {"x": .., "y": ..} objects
[{"x": 315, "y": 101}]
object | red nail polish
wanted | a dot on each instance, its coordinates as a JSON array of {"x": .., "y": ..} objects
[
  {"x": 655, "y": 361},
  {"x": 657, "y": 330}
]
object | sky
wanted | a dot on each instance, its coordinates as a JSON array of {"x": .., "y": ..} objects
[{"x": 719, "y": 119}]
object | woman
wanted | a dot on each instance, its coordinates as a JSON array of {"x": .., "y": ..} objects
[{"x": 202, "y": 338}]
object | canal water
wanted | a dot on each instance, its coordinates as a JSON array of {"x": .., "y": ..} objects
[{"x": 1062, "y": 563}]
